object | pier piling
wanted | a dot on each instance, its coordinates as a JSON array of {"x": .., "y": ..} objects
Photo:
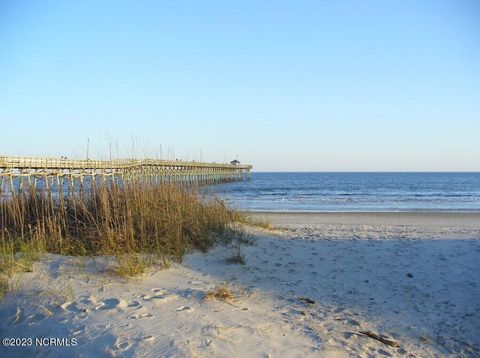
[{"x": 16, "y": 171}]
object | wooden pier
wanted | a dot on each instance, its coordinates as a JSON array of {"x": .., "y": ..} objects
[{"x": 17, "y": 172}]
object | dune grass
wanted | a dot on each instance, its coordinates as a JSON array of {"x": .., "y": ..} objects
[
  {"x": 244, "y": 218},
  {"x": 220, "y": 292},
  {"x": 139, "y": 224},
  {"x": 237, "y": 257}
]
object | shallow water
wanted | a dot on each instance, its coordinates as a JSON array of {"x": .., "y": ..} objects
[{"x": 354, "y": 192}]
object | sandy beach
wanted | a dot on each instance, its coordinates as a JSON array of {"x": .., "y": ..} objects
[
  {"x": 316, "y": 285},
  {"x": 239, "y": 179},
  {"x": 418, "y": 219}
]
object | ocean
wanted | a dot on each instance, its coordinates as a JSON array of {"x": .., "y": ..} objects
[{"x": 354, "y": 192}]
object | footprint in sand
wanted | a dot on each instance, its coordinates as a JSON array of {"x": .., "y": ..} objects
[
  {"x": 184, "y": 309},
  {"x": 140, "y": 316},
  {"x": 158, "y": 290},
  {"x": 90, "y": 300},
  {"x": 159, "y": 296},
  {"x": 195, "y": 282},
  {"x": 111, "y": 303},
  {"x": 161, "y": 299},
  {"x": 147, "y": 338},
  {"x": 122, "y": 345},
  {"x": 133, "y": 304},
  {"x": 71, "y": 306},
  {"x": 142, "y": 312},
  {"x": 155, "y": 294}
]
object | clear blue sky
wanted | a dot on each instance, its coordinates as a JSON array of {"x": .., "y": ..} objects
[{"x": 286, "y": 85}]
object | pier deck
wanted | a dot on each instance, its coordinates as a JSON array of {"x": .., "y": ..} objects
[{"x": 15, "y": 171}]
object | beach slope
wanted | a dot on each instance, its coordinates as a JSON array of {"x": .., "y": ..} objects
[{"x": 317, "y": 285}]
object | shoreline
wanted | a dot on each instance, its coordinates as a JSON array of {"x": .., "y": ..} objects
[{"x": 443, "y": 219}]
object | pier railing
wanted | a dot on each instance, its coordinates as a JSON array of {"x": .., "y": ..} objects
[{"x": 17, "y": 171}]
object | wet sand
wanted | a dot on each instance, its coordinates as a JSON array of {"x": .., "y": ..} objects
[{"x": 450, "y": 219}]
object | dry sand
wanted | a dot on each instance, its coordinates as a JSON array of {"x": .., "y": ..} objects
[{"x": 307, "y": 289}]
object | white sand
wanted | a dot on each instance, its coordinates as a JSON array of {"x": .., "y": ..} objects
[{"x": 418, "y": 284}]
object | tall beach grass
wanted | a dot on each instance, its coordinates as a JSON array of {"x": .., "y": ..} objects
[{"x": 136, "y": 223}]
